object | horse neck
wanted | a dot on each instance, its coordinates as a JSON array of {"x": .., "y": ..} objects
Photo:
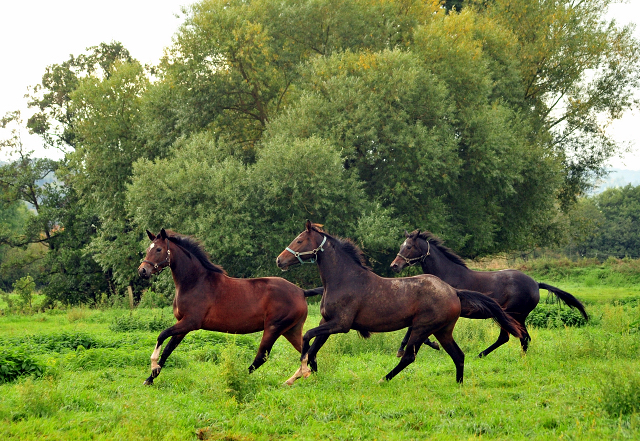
[
  {"x": 439, "y": 265},
  {"x": 335, "y": 265},
  {"x": 185, "y": 270}
]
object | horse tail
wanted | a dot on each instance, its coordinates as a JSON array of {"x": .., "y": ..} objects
[
  {"x": 314, "y": 292},
  {"x": 478, "y": 306},
  {"x": 566, "y": 298}
]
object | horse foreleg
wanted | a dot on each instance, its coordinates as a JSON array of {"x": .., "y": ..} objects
[
  {"x": 403, "y": 343},
  {"x": 321, "y": 334},
  {"x": 445, "y": 337},
  {"x": 179, "y": 328}
]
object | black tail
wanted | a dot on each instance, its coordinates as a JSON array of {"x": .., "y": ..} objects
[
  {"x": 478, "y": 306},
  {"x": 567, "y": 298},
  {"x": 314, "y": 292}
]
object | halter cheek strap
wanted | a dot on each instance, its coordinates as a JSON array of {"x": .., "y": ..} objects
[
  {"x": 412, "y": 261},
  {"x": 304, "y": 253},
  {"x": 157, "y": 265}
]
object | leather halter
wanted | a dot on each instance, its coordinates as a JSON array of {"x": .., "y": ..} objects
[
  {"x": 412, "y": 261},
  {"x": 157, "y": 265},
  {"x": 304, "y": 253}
]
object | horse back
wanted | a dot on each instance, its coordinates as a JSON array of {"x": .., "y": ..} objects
[{"x": 512, "y": 289}]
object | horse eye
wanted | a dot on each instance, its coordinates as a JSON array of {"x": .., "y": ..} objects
[
  {"x": 299, "y": 241},
  {"x": 409, "y": 247},
  {"x": 158, "y": 250}
]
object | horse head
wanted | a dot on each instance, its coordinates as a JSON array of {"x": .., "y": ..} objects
[
  {"x": 304, "y": 248},
  {"x": 410, "y": 252},
  {"x": 158, "y": 255}
]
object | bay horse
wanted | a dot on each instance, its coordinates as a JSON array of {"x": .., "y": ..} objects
[
  {"x": 516, "y": 292},
  {"x": 206, "y": 298},
  {"x": 356, "y": 298}
]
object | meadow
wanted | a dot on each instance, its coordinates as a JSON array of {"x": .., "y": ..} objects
[{"x": 78, "y": 373}]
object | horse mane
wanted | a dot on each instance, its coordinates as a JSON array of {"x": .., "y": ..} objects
[
  {"x": 438, "y": 243},
  {"x": 347, "y": 245},
  {"x": 194, "y": 247}
]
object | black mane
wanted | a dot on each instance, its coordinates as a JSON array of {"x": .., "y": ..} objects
[
  {"x": 437, "y": 242},
  {"x": 194, "y": 248},
  {"x": 346, "y": 245}
]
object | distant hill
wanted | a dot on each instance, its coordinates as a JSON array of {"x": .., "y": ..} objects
[{"x": 618, "y": 178}]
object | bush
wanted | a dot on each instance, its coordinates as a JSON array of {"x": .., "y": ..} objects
[
  {"x": 152, "y": 299},
  {"x": 554, "y": 316},
  {"x": 240, "y": 384},
  {"x": 128, "y": 323},
  {"x": 15, "y": 363}
]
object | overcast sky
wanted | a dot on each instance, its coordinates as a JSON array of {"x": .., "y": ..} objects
[{"x": 35, "y": 34}]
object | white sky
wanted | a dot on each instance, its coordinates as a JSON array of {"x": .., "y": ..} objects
[{"x": 38, "y": 33}]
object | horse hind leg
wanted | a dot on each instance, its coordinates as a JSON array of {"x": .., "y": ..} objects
[
  {"x": 525, "y": 339},
  {"x": 502, "y": 339},
  {"x": 269, "y": 337}
]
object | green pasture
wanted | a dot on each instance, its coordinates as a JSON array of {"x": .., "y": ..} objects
[{"x": 574, "y": 383}]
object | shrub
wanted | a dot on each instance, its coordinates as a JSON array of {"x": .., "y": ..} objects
[
  {"x": 131, "y": 322},
  {"x": 152, "y": 299},
  {"x": 15, "y": 363},
  {"x": 554, "y": 316},
  {"x": 240, "y": 384}
]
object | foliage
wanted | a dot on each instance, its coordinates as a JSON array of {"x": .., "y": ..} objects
[
  {"x": 25, "y": 288},
  {"x": 152, "y": 299},
  {"x": 131, "y": 322},
  {"x": 246, "y": 214},
  {"x": 16, "y": 363},
  {"x": 554, "y": 316},
  {"x": 614, "y": 216}
]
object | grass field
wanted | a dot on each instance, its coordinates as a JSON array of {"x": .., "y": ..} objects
[{"x": 574, "y": 383}]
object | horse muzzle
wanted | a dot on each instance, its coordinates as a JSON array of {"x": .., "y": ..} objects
[
  {"x": 145, "y": 270},
  {"x": 397, "y": 265}
]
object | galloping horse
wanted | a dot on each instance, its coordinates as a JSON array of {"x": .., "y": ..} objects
[
  {"x": 206, "y": 298},
  {"x": 356, "y": 298},
  {"x": 516, "y": 292}
]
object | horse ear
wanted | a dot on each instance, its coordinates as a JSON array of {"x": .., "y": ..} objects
[
  {"x": 406, "y": 234},
  {"x": 152, "y": 237},
  {"x": 418, "y": 232},
  {"x": 308, "y": 226},
  {"x": 163, "y": 234}
]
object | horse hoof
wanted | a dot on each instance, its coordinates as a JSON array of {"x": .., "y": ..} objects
[
  {"x": 147, "y": 382},
  {"x": 382, "y": 381},
  {"x": 400, "y": 353},
  {"x": 433, "y": 344}
]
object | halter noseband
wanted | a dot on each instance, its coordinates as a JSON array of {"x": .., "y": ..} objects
[
  {"x": 304, "y": 253},
  {"x": 167, "y": 260},
  {"x": 412, "y": 261}
]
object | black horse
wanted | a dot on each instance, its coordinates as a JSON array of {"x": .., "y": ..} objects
[
  {"x": 516, "y": 292},
  {"x": 356, "y": 298}
]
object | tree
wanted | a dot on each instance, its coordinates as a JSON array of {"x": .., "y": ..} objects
[
  {"x": 578, "y": 72},
  {"x": 245, "y": 214}
]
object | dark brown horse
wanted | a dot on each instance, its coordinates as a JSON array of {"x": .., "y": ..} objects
[
  {"x": 516, "y": 292},
  {"x": 356, "y": 298},
  {"x": 206, "y": 298}
]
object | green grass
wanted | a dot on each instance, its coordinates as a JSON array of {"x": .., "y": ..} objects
[{"x": 574, "y": 383}]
